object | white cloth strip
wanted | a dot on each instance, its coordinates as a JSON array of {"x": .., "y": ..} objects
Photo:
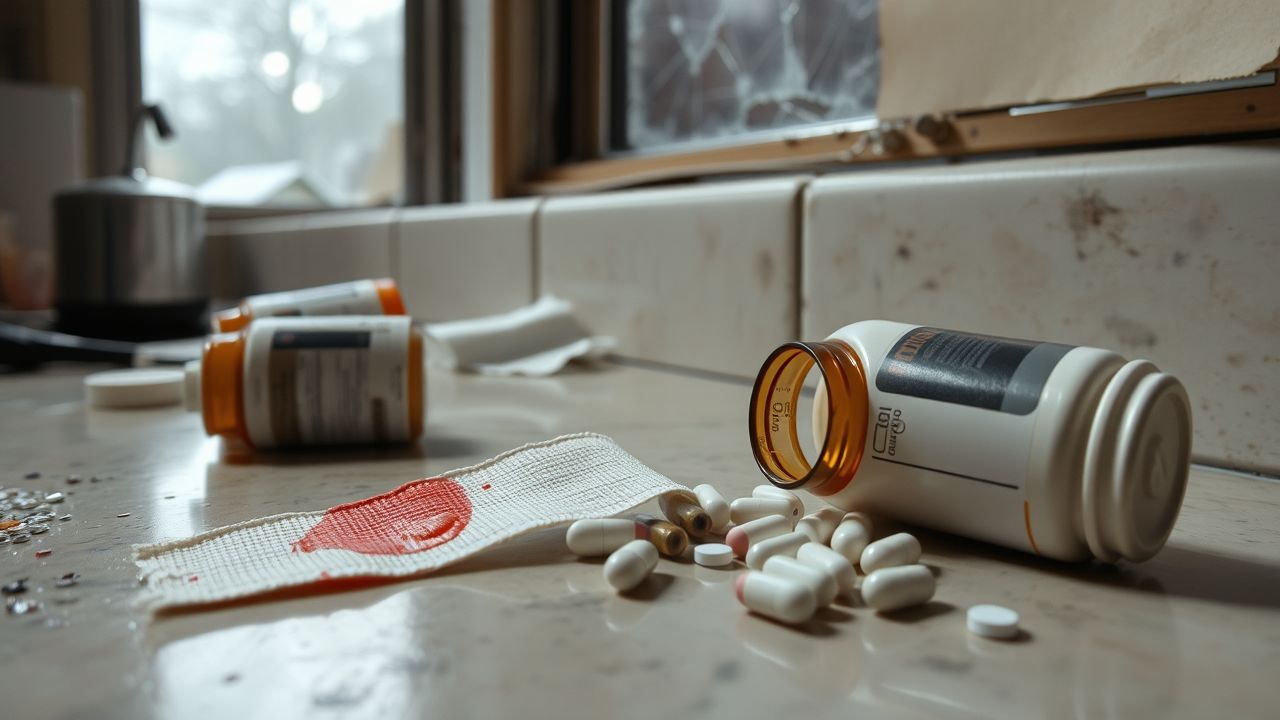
[{"x": 420, "y": 526}]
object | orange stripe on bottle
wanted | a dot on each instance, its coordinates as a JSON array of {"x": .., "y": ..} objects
[{"x": 1026, "y": 514}]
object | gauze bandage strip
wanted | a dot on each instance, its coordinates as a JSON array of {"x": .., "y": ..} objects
[{"x": 418, "y": 527}]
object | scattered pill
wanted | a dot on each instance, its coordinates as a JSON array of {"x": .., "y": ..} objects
[
  {"x": 124, "y": 515},
  {"x": 67, "y": 580},
  {"x": 590, "y": 538},
  {"x": 43, "y": 553},
  {"x": 776, "y": 597},
  {"x": 713, "y": 554},
  {"x": 772, "y": 491},
  {"x": 823, "y": 585},
  {"x": 744, "y": 510},
  {"x": 852, "y": 536},
  {"x": 895, "y": 550},
  {"x": 64, "y": 518},
  {"x": 670, "y": 540},
  {"x": 992, "y": 621},
  {"x": 743, "y": 536},
  {"x": 681, "y": 507},
  {"x": 786, "y": 544},
  {"x": 630, "y": 564},
  {"x": 895, "y": 588},
  {"x": 54, "y": 497},
  {"x": 716, "y": 507},
  {"x": 820, "y": 525},
  {"x": 831, "y": 562}
]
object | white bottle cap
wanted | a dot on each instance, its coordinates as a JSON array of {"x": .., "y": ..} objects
[
  {"x": 1136, "y": 463},
  {"x": 993, "y": 621},
  {"x": 713, "y": 554},
  {"x": 135, "y": 388}
]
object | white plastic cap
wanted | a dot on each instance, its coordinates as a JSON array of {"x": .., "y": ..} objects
[
  {"x": 191, "y": 400},
  {"x": 134, "y": 388},
  {"x": 1136, "y": 463}
]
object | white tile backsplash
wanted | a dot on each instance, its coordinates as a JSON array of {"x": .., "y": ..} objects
[
  {"x": 285, "y": 253},
  {"x": 699, "y": 276},
  {"x": 461, "y": 261},
  {"x": 1167, "y": 254}
]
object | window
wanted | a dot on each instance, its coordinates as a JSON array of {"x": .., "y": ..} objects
[
  {"x": 711, "y": 69},
  {"x": 278, "y": 102}
]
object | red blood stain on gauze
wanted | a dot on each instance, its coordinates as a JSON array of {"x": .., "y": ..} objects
[{"x": 414, "y": 517}]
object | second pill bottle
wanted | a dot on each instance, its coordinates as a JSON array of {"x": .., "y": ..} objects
[
  {"x": 358, "y": 297},
  {"x": 285, "y": 382},
  {"x": 1062, "y": 451}
]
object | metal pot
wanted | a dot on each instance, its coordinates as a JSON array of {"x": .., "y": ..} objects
[{"x": 130, "y": 253}]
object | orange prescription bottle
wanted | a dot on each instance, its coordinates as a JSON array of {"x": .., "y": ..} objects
[
  {"x": 359, "y": 297},
  {"x": 1067, "y": 452},
  {"x": 313, "y": 381}
]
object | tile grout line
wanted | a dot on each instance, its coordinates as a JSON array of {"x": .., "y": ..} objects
[{"x": 798, "y": 225}]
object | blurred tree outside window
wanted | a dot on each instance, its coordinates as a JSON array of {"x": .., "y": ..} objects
[
  {"x": 711, "y": 69},
  {"x": 278, "y": 102}
]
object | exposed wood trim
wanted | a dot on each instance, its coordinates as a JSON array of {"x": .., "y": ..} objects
[{"x": 1249, "y": 110}]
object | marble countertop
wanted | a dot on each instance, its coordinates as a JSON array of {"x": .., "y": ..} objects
[{"x": 529, "y": 630}]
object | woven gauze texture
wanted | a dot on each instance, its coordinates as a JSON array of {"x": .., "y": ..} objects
[{"x": 418, "y": 527}]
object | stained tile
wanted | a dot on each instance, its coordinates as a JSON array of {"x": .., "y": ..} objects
[{"x": 1165, "y": 254}]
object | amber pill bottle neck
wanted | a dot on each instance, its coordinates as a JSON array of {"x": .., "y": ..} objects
[
  {"x": 221, "y": 381},
  {"x": 842, "y": 399}
]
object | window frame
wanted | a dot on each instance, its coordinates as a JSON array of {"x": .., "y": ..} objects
[{"x": 1116, "y": 120}]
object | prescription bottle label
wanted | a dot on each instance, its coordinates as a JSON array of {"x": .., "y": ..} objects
[
  {"x": 328, "y": 380},
  {"x": 353, "y": 298},
  {"x": 982, "y": 371},
  {"x": 950, "y": 419}
]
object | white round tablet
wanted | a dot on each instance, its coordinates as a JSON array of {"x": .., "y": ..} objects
[
  {"x": 712, "y": 554},
  {"x": 993, "y": 621},
  {"x": 135, "y": 388}
]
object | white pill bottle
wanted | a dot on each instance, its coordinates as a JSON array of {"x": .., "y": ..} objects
[{"x": 1061, "y": 451}]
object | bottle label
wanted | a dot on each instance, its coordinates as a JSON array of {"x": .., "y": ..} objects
[
  {"x": 977, "y": 370},
  {"x": 359, "y": 297},
  {"x": 314, "y": 381},
  {"x": 951, "y": 420}
]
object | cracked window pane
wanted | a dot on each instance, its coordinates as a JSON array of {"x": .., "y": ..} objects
[{"x": 700, "y": 69}]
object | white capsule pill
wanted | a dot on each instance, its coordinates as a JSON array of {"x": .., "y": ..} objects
[
  {"x": 852, "y": 536},
  {"x": 992, "y": 621},
  {"x": 630, "y": 564},
  {"x": 823, "y": 585},
  {"x": 714, "y": 505},
  {"x": 773, "y": 491},
  {"x": 776, "y": 597},
  {"x": 895, "y": 550},
  {"x": 780, "y": 545},
  {"x": 895, "y": 588},
  {"x": 820, "y": 525},
  {"x": 745, "y": 510},
  {"x": 830, "y": 562},
  {"x": 589, "y": 538},
  {"x": 741, "y": 537},
  {"x": 713, "y": 555}
]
